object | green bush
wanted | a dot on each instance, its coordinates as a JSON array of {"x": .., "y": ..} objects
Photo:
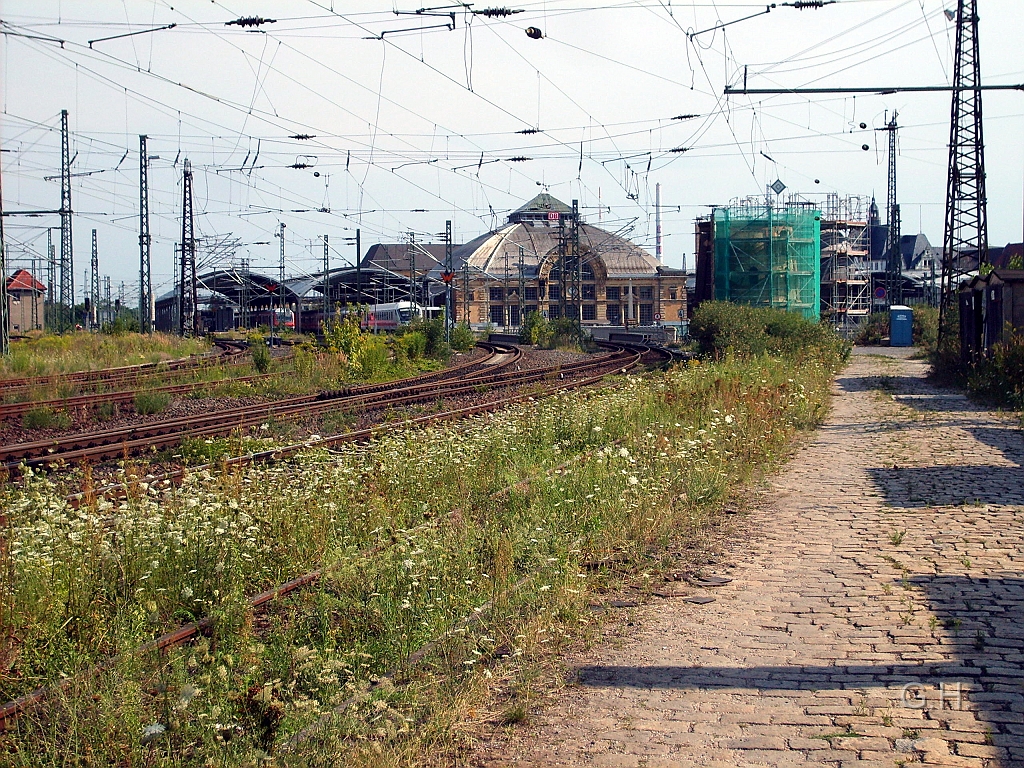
[
  {"x": 566, "y": 333},
  {"x": 413, "y": 344},
  {"x": 926, "y": 327},
  {"x": 999, "y": 378},
  {"x": 45, "y": 418},
  {"x": 720, "y": 328},
  {"x": 462, "y": 339},
  {"x": 151, "y": 402},
  {"x": 120, "y": 326},
  {"x": 373, "y": 357},
  {"x": 260, "y": 353},
  {"x": 535, "y": 330}
]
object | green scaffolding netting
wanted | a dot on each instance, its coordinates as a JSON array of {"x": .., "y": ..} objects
[{"x": 769, "y": 257}]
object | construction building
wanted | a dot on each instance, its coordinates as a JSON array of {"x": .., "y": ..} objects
[
  {"x": 763, "y": 255},
  {"x": 846, "y": 276},
  {"x": 735, "y": 257}
]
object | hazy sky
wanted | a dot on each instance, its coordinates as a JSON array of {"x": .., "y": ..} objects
[{"x": 429, "y": 124}]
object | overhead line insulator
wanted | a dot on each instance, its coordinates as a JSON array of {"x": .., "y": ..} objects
[
  {"x": 494, "y": 13},
  {"x": 249, "y": 21}
]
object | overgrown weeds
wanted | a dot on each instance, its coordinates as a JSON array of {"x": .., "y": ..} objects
[
  {"x": 147, "y": 403},
  {"x": 487, "y": 537},
  {"x": 721, "y": 329},
  {"x": 49, "y": 354}
]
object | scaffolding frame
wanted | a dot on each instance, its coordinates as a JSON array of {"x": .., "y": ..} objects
[
  {"x": 769, "y": 256},
  {"x": 845, "y": 253}
]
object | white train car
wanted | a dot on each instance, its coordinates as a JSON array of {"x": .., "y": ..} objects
[{"x": 390, "y": 317}]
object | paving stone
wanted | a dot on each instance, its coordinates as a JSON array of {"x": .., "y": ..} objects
[{"x": 827, "y": 618}]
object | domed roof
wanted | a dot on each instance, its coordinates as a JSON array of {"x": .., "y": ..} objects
[{"x": 537, "y": 239}]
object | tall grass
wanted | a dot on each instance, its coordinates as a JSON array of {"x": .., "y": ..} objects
[
  {"x": 90, "y": 351},
  {"x": 417, "y": 529}
]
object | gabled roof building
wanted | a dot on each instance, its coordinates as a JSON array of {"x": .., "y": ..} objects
[{"x": 25, "y": 303}]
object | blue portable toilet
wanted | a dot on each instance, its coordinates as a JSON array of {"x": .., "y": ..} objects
[{"x": 901, "y": 326}]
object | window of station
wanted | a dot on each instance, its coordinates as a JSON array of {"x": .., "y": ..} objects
[
  {"x": 588, "y": 272},
  {"x": 646, "y": 314},
  {"x": 614, "y": 312},
  {"x": 553, "y": 311},
  {"x": 646, "y": 292},
  {"x": 531, "y": 308},
  {"x": 498, "y": 314},
  {"x": 554, "y": 292},
  {"x": 531, "y": 294},
  {"x": 497, "y": 294},
  {"x": 590, "y": 312},
  {"x": 513, "y": 314},
  {"x": 672, "y": 293},
  {"x": 613, "y": 293},
  {"x": 589, "y": 291}
]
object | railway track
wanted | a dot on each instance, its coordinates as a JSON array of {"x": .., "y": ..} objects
[
  {"x": 624, "y": 356},
  {"x": 470, "y": 378},
  {"x": 101, "y": 444},
  {"x": 130, "y": 374},
  {"x": 88, "y": 401}
]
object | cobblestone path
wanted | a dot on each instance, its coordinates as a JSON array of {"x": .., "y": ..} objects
[{"x": 875, "y": 616}]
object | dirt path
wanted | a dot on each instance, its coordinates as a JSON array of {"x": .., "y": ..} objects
[{"x": 875, "y": 617}]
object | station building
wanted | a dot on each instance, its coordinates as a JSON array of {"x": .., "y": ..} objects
[{"x": 507, "y": 273}]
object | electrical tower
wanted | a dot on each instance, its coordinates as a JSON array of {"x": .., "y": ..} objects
[
  {"x": 571, "y": 267},
  {"x": 94, "y": 285},
  {"x": 51, "y": 271},
  {"x": 411, "y": 255},
  {"x": 893, "y": 258},
  {"x": 5, "y": 322},
  {"x": 359, "y": 268},
  {"x": 106, "y": 317},
  {"x": 187, "y": 298},
  {"x": 466, "y": 293},
  {"x": 145, "y": 241},
  {"x": 243, "y": 294},
  {"x": 327, "y": 283},
  {"x": 66, "y": 306},
  {"x": 966, "y": 225},
  {"x": 448, "y": 275},
  {"x": 279, "y": 288}
]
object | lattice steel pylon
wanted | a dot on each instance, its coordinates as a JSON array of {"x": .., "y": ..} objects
[
  {"x": 5, "y": 321},
  {"x": 893, "y": 258},
  {"x": 187, "y": 299},
  {"x": 94, "y": 285},
  {"x": 447, "y": 276},
  {"x": 326, "y": 310},
  {"x": 66, "y": 305},
  {"x": 571, "y": 266},
  {"x": 966, "y": 224},
  {"x": 145, "y": 242}
]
